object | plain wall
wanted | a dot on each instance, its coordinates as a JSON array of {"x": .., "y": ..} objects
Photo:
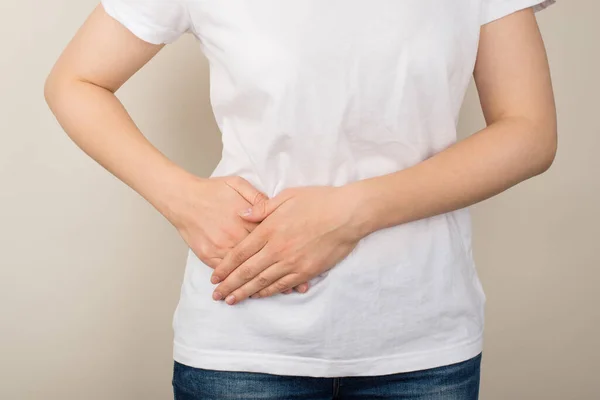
[{"x": 90, "y": 273}]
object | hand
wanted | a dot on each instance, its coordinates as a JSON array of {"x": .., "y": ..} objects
[
  {"x": 207, "y": 218},
  {"x": 304, "y": 232}
]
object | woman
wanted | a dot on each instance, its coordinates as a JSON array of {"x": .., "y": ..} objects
[{"x": 341, "y": 177}]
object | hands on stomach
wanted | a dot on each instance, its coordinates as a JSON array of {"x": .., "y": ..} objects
[
  {"x": 259, "y": 247},
  {"x": 211, "y": 224},
  {"x": 291, "y": 238}
]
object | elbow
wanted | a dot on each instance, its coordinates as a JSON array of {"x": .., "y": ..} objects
[
  {"x": 58, "y": 87},
  {"x": 52, "y": 88},
  {"x": 547, "y": 148},
  {"x": 551, "y": 156}
]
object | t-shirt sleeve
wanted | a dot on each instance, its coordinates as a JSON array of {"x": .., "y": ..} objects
[
  {"x": 496, "y": 9},
  {"x": 154, "y": 21}
]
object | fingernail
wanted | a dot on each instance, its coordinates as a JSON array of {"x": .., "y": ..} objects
[
  {"x": 215, "y": 279},
  {"x": 230, "y": 299},
  {"x": 217, "y": 296},
  {"x": 246, "y": 212}
]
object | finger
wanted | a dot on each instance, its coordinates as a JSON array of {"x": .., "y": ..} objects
[
  {"x": 246, "y": 272},
  {"x": 248, "y": 247},
  {"x": 267, "y": 277},
  {"x": 212, "y": 262},
  {"x": 239, "y": 231},
  {"x": 249, "y": 226},
  {"x": 302, "y": 288},
  {"x": 246, "y": 189},
  {"x": 261, "y": 210},
  {"x": 287, "y": 282},
  {"x": 209, "y": 255},
  {"x": 206, "y": 250},
  {"x": 249, "y": 193},
  {"x": 216, "y": 252}
]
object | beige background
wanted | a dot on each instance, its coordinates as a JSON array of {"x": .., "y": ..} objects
[{"x": 90, "y": 273}]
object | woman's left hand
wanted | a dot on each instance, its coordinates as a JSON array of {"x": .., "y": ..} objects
[{"x": 304, "y": 232}]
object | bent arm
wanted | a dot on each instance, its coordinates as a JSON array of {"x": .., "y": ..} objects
[
  {"x": 80, "y": 89},
  {"x": 520, "y": 141}
]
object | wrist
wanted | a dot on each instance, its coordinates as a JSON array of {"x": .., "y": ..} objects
[
  {"x": 175, "y": 194},
  {"x": 361, "y": 216}
]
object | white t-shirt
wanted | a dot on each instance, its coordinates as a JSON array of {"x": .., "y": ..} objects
[{"x": 327, "y": 92}]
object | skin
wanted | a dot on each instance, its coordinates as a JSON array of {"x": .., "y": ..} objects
[
  {"x": 305, "y": 231},
  {"x": 261, "y": 247},
  {"x": 80, "y": 91}
]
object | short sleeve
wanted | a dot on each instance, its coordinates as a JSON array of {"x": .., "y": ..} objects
[
  {"x": 154, "y": 21},
  {"x": 496, "y": 9}
]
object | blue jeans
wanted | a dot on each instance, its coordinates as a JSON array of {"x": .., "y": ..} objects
[{"x": 458, "y": 381}]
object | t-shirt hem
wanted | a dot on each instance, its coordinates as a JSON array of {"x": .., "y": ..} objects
[{"x": 315, "y": 367}]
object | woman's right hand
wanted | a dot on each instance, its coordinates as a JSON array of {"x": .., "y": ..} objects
[{"x": 207, "y": 217}]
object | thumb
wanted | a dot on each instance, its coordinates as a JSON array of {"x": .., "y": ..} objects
[
  {"x": 245, "y": 189},
  {"x": 260, "y": 210}
]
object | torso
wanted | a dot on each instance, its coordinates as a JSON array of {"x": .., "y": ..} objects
[{"x": 309, "y": 92}]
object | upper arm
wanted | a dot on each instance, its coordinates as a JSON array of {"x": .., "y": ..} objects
[
  {"x": 512, "y": 73},
  {"x": 117, "y": 39}
]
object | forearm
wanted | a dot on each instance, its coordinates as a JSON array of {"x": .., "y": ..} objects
[
  {"x": 481, "y": 166},
  {"x": 99, "y": 124}
]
